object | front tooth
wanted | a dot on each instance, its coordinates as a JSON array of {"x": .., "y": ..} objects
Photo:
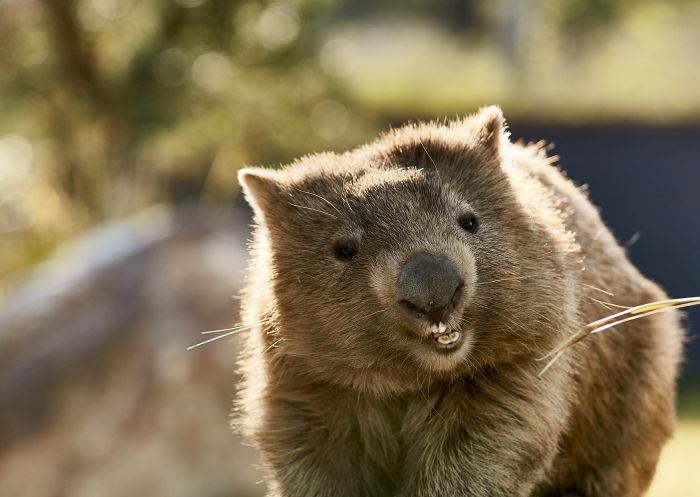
[
  {"x": 442, "y": 327},
  {"x": 444, "y": 339},
  {"x": 454, "y": 335}
]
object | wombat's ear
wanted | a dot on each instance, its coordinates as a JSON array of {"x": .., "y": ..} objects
[
  {"x": 490, "y": 128},
  {"x": 260, "y": 187}
]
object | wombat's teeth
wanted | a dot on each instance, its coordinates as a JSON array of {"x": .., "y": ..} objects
[
  {"x": 444, "y": 336},
  {"x": 448, "y": 338}
]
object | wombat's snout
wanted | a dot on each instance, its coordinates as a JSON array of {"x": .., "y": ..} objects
[{"x": 429, "y": 285}]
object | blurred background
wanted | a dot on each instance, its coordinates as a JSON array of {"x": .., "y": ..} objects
[{"x": 122, "y": 228}]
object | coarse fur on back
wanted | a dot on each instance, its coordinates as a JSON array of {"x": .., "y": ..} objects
[{"x": 398, "y": 298}]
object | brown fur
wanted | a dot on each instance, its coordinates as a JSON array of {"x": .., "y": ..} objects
[{"x": 343, "y": 400}]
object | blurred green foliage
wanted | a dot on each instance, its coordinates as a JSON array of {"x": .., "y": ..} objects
[
  {"x": 109, "y": 106},
  {"x": 112, "y": 105},
  {"x": 542, "y": 60}
]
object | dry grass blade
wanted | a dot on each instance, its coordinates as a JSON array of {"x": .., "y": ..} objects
[
  {"x": 661, "y": 304},
  {"x": 640, "y": 311}
]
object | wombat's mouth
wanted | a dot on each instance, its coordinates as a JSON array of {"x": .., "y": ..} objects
[{"x": 445, "y": 338}]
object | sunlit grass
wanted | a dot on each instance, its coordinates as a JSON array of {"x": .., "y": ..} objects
[
  {"x": 677, "y": 474},
  {"x": 640, "y": 69}
]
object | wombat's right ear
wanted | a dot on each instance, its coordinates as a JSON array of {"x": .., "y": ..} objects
[
  {"x": 260, "y": 187},
  {"x": 490, "y": 128}
]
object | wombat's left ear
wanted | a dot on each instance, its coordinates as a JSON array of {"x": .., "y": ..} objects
[
  {"x": 490, "y": 128},
  {"x": 260, "y": 187}
]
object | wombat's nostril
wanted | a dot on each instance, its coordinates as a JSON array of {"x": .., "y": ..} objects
[{"x": 429, "y": 285}]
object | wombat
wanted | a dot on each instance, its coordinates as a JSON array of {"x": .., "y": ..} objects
[{"x": 397, "y": 302}]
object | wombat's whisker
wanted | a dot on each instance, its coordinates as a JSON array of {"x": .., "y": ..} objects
[
  {"x": 376, "y": 312},
  {"x": 235, "y": 329},
  {"x": 599, "y": 302},
  {"x": 238, "y": 326},
  {"x": 598, "y": 289},
  {"x": 315, "y": 210},
  {"x": 607, "y": 305},
  {"x": 324, "y": 199},
  {"x": 212, "y": 339},
  {"x": 273, "y": 344},
  {"x": 345, "y": 199},
  {"x": 506, "y": 279},
  {"x": 437, "y": 171}
]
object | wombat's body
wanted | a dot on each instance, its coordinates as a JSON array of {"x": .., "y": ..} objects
[{"x": 398, "y": 299}]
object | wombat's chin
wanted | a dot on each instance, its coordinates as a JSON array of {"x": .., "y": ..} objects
[{"x": 445, "y": 349}]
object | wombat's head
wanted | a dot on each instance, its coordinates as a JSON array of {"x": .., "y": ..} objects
[{"x": 419, "y": 256}]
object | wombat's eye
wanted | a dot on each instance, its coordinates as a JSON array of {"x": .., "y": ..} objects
[
  {"x": 344, "y": 250},
  {"x": 469, "y": 223}
]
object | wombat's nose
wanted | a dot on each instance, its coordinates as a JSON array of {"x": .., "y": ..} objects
[{"x": 429, "y": 285}]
